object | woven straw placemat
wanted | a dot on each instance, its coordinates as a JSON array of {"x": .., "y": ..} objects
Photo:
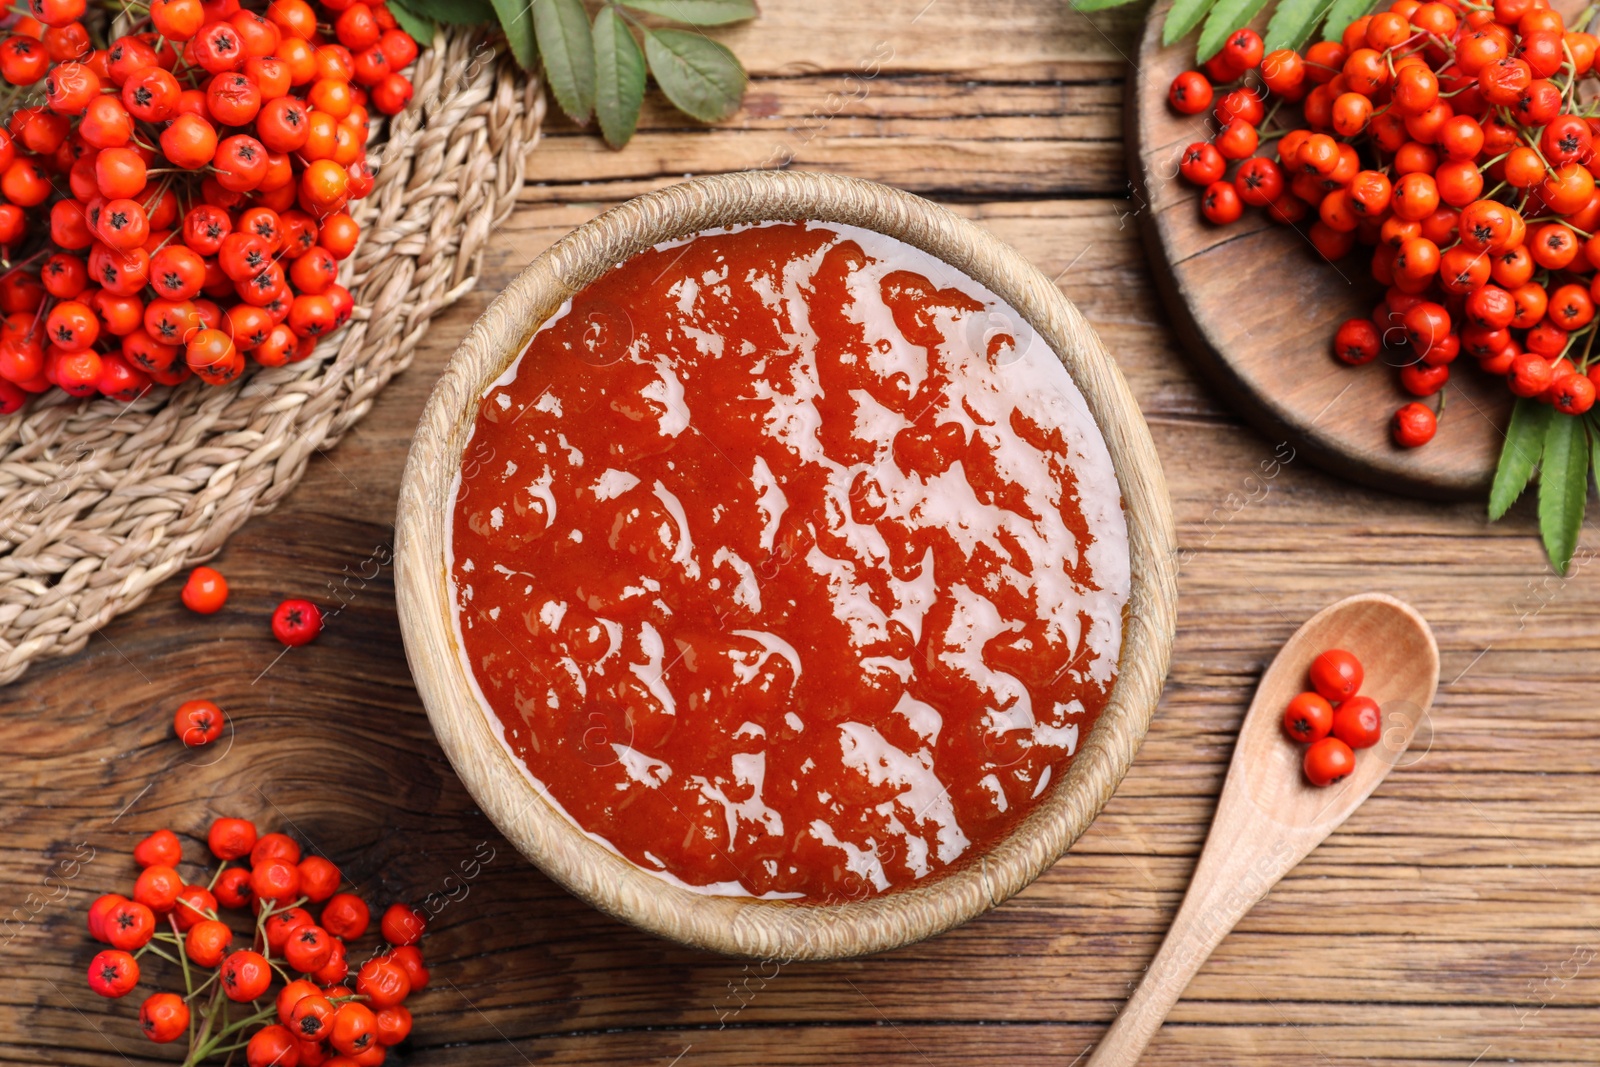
[{"x": 101, "y": 501}]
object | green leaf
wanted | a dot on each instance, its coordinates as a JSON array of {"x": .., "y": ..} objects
[
  {"x": 1293, "y": 22},
  {"x": 1098, "y": 5},
  {"x": 619, "y": 77},
  {"x": 420, "y": 27},
  {"x": 454, "y": 12},
  {"x": 701, "y": 77},
  {"x": 1183, "y": 16},
  {"x": 1225, "y": 17},
  {"x": 1342, "y": 14},
  {"x": 516, "y": 18},
  {"x": 1563, "y": 487},
  {"x": 1518, "y": 456},
  {"x": 567, "y": 46},
  {"x": 698, "y": 12}
]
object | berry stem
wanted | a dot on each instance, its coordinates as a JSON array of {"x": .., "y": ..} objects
[
  {"x": 150, "y": 946},
  {"x": 1588, "y": 346},
  {"x": 208, "y": 1018},
  {"x": 203, "y": 986},
  {"x": 217, "y": 874},
  {"x": 233, "y": 1028},
  {"x": 183, "y": 958}
]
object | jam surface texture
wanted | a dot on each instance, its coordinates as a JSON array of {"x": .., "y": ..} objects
[{"x": 790, "y": 563}]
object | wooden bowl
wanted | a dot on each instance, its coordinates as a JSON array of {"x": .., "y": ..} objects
[{"x": 771, "y": 929}]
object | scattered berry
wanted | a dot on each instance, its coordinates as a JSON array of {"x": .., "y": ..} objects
[
  {"x": 311, "y": 1018},
  {"x": 402, "y": 925},
  {"x": 198, "y": 723},
  {"x": 206, "y": 590},
  {"x": 245, "y": 976},
  {"x": 296, "y": 622},
  {"x": 276, "y": 881}
]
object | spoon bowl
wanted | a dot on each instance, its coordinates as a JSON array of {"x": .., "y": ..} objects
[
  {"x": 1269, "y": 816},
  {"x": 1401, "y": 667}
]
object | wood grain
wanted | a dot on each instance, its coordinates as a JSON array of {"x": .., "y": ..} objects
[
  {"x": 1257, "y": 306},
  {"x": 1452, "y": 920}
]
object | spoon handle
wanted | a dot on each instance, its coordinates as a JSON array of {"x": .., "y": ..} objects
[
  {"x": 1267, "y": 818},
  {"x": 1236, "y": 869}
]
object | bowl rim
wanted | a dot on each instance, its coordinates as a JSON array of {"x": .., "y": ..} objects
[{"x": 770, "y": 929}]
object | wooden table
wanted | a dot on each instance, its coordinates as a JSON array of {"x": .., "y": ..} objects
[{"x": 1453, "y": 920}]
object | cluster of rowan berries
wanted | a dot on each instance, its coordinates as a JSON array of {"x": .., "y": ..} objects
[
  {"x": 1332, "y": 719},
  {"x": 316, "y": 1019},
  {"x": 1450, "y": 138},
  {"x": 174, "y": 204}
]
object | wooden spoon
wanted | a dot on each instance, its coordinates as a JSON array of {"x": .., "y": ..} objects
[{"x": 1269, "y": 817}]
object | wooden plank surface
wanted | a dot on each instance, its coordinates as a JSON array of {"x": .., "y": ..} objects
[{"x": 1452, "y": 921}]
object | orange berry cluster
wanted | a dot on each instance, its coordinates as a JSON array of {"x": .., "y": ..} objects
[
  {"x": 1451, "y": 139},
  {"x": 319, "y": 1019},
  {"x": 1332, "y": 719},
  {"x": 174, "y": 204}
]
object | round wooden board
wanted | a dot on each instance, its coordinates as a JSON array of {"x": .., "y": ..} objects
[{"x": 1256, "y": 306}]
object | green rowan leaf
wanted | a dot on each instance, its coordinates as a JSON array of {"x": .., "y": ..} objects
[
  {"x": 516, "y": 19},
  {"x": 566, "y": 44},
  {"x": 701, "y": 77},
  {"x": 1226, "y": 17},
  {"x": 619, "y": 77},
  {"x": 1519, "y": 455},
  {"x": 1563, "y": 487},
  {"x": 697, "y": 12},
  {"x": 1183, "y": 16},
  {"x": 420, "y": 27}
]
